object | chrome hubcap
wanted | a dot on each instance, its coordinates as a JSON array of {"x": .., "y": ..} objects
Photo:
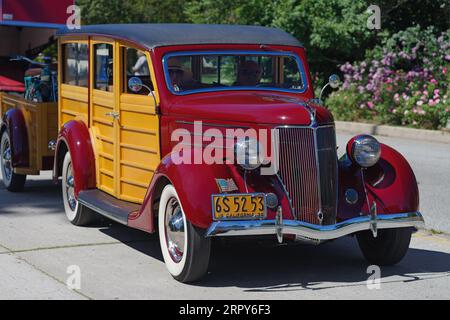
[
  {"x": 6, "y": 160},
  {"x": 70, "y": 192},
  {"x": 174, "y": 226}
]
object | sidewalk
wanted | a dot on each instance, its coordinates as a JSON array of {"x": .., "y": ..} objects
[{"x": 394, "y": 132}]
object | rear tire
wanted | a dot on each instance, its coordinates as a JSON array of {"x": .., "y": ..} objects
[
  {"x": 76, "y": 213},
  {"x": 13, "y": 182},
  {"x": 185, "y": 249},
  {"x": 388, "y": 248}
]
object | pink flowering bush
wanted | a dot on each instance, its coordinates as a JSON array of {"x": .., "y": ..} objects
[{"x": 406, "y": 82}]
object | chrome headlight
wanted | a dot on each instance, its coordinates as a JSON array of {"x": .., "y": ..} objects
[
  {"x": 247, "y": 153},
  {"x": 365, "y": 150}
]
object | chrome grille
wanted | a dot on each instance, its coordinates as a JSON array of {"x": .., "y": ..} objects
[{"x": 308, "y": 170}]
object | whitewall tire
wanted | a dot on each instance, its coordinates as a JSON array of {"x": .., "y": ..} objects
[
  {"x": 184, "y": 247},
  {"x": 76, "y": 213}
]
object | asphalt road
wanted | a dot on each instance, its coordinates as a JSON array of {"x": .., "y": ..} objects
[{"x": 38, "y": 245}]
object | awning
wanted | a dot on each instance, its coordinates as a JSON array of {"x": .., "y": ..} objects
[{"x": 37, "y": 13}]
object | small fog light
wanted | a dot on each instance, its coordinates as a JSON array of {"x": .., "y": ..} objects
[
  {"x": 351, "y": 196},
  {"x": 52, "y": 145},
  {"x": 271, "y": 200}
]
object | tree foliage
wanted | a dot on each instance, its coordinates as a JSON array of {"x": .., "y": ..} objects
[
  {"x": 131, "y": 11},
  {"x": 333, "y": 31}
]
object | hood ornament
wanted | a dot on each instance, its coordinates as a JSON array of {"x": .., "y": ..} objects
[{"x": 311, "y": 110}]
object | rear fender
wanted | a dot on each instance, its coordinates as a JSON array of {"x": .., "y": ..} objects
[{"x": 74, "y": 138}]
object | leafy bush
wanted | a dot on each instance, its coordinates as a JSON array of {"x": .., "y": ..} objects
[{"x": 405, "y": 81}]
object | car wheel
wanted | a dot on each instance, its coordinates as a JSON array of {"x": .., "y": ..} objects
[
  {"x": 76, "y": 213},
  {"x": 184, "y": 247},
  {"x": 388, "y": 248},
  {"x": 13, "y": 182}
]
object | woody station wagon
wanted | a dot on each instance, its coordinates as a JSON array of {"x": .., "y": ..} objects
[{"x": 125, "y": 90}]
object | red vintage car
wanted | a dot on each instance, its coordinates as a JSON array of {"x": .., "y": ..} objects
[{"x": 201, "y": 131}]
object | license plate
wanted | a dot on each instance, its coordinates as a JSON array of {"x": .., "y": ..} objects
[{"x": 239, "y": 206}]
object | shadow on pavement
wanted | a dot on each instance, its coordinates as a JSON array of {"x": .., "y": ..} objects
[
  {"x": 251, "y": 265},
  {"x": 39, "y": 195},
  {"x": 305, "y": 267},
  {"x": 141, "y": 241},
  {"x": 257, "y": 267}
]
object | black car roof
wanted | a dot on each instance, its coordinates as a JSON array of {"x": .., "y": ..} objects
[{"x": 163, "y": 34}]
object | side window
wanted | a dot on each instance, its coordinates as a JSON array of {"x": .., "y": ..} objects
[
  {"x": 267, "y": 67},
  {"x": 292, "y": 77},
  {"x": 181, "y": 73},
  {"x": 103, "y": 67},
  {"x": 209, "y": 70},
  {"x": 228, "y": 68},
  {"x": 75, "y": 64},
  {"x": 136, "y": 65}
]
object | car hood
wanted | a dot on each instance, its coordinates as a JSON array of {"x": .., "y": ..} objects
[{"x": 249, "y": 107}]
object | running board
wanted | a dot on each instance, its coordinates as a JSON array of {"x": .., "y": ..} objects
[{"x": 108, "y": 206}]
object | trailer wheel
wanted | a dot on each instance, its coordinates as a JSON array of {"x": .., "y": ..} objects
[
  {"x": 13, "y": 182},
  {"x": 184, "y": 247},
  {"x": 76, "y": 213}
]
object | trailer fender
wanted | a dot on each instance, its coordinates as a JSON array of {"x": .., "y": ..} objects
[{"x": 14, "y": 123}]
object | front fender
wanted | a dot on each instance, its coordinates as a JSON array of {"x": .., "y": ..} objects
[
  {"x": 14, "y": 123},
  {"x": 74, "y": 138},
  {"x": 391, "y": 184},
  {"x": 195, "y": 183}
]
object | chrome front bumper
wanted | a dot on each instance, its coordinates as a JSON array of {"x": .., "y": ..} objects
[{"x": 315, "y": 232}]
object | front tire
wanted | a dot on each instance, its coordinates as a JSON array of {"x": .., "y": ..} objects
[
  {"x": 13, "y": 182},
  {"x": 76, "y": 213},
  {"x": 388, "y": 248},
  {"x": 184, "y": 247}
]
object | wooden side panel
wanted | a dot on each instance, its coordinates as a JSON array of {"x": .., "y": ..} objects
[
  {"x": 104, "y": 135},
  {"x": 73, "y": 100},
  {"x": 124, "y": 128},
  {"x": 139, "y": 145},
  {"x": 103, "y": 126},
  {"x": 2, "y": 108},
  {"x": 7, "y": 102},
  {"x": 47, "y": 130},
  {"x": 42, "y": 125},
  {"x": 52, "y": 124},
  {"x": 74, "y": 103}
]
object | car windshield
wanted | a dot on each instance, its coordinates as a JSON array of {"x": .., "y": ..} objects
[{"x": 192, "y": 72}]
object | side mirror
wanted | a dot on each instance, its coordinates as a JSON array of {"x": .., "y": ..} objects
[
  {"x": 135, "y": 84},
  {"x": 333, "y": 82}
]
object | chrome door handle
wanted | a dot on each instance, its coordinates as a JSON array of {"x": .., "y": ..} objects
[{"x": 113, "y": 114}]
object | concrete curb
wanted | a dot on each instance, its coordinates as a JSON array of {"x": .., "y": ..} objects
[{"x": 395, "y": 132}]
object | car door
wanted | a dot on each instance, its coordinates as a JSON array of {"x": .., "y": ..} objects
[
  {"x": 103, "y": 112},
  {"x": 138, "y": 127}
]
